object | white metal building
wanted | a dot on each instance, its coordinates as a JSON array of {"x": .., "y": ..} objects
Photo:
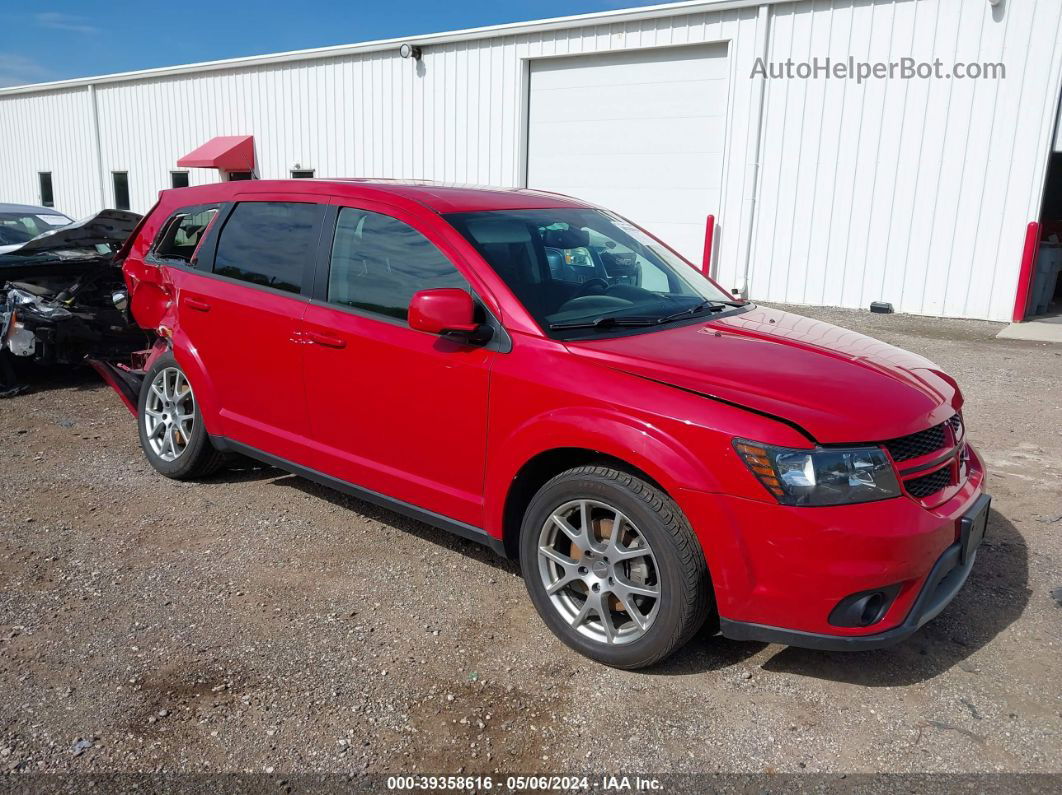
[{"x": 826, "y": 190}]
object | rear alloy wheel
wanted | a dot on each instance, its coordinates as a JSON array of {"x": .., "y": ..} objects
[
  {"x": 172, "y": 432},
  {"x": 169, "y": 414},
  {"x": 613, "y": 567}
]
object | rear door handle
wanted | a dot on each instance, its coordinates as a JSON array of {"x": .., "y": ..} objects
[
  {"x": 197, "y": 305},
  {"x": 326, "y": 340}
]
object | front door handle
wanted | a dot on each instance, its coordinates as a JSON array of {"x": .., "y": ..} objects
[
  {"x": 197, "y": 305},
  {"x": 326, "y": 340}
]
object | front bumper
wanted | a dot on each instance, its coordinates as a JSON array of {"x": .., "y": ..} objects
[
  {"x": 778, "y": 571},
  {"x": 943, "y": 582}
]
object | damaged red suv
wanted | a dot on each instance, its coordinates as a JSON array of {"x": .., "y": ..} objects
[{"x": 542, "y": 376}]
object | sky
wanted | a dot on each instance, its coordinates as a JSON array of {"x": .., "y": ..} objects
[{"x": 58, "y": 40}]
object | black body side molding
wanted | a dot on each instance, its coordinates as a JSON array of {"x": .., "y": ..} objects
[{"x": 461, "y": 529}]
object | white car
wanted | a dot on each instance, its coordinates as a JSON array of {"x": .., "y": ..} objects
[{"x": 20, "y": 223}]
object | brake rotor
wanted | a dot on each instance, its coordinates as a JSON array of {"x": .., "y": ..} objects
[{"x": 603, "y": 532}]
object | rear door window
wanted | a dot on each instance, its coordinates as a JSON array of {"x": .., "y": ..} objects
[
  {"x": 268, "y": 243},
  {"x": 378, "y": 262}
]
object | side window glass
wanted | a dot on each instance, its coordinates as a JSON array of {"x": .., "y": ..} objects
[
  {"x": 567, "y": 254},
  {"x": 626, "y": 266},
  {"x": 652, "y": 277},
  {"x": 182, "y": 235},
  {"x": 268, "y": 243},
  {"x": 378, "y": 262},
  {"x": 573, "y": 265}
]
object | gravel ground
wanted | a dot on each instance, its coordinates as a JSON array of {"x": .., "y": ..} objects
[{"x": 258, "y": 622}]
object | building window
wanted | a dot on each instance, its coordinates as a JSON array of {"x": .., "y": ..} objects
[
  {"x": 302, "y": 173},
  {"x": 178, "y": 179},
  {"x": 121, "y": 189},
  {"x": 47, "y": 199},
  {"x": 236, "y": 176}
]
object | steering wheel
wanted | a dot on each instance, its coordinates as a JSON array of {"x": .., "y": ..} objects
[{"x": 584, "y": 288}]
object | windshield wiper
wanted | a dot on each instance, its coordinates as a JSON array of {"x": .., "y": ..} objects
[
  {"x": 605, "y": 322},
  {"x": 709, "y": 303},
  {"x": 638, "y": 320}
]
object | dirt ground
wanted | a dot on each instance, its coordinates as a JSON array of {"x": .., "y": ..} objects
[{"x": 258, "y": 622}]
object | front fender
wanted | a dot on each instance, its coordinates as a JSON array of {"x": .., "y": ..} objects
[{"x": 638, "y": 442}]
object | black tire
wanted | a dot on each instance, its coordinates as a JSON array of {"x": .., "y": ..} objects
[
  {"x": 199, "y": 458},
  {"x": 685, "y": 589}
]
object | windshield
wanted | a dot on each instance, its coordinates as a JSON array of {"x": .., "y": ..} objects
[
  {"x": 580, "y": 272},
  {"x": 21, "y": 227}
]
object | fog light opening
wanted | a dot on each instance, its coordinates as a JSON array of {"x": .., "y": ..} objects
[
  {"x": 872, "y": 609},
  {"x": 864, "y": 608}
]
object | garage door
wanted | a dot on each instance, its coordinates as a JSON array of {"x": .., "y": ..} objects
[{"x": 638, "y": 132}]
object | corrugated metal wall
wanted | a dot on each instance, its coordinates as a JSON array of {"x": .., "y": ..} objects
[
  {"x": 49, "y": 132},
  {"x": 456, "y": 116},
  {"x": 915, "y": 192}
]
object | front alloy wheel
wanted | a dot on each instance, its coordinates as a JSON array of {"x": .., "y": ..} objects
[
  {"x": 599, "y": 571},
  {"x": 613, "y": 567}
]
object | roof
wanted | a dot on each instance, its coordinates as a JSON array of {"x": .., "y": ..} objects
[
  {"x": 30, "y": 208},
  {"x": 436, "y": 196},
  {"x": 445, "y": 197},
  {"x": 423, "y": 41}
]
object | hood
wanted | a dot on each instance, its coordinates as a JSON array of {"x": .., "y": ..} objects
[
  {"x": 839, "y": 386},
  {"x": 106, "y": 228}
]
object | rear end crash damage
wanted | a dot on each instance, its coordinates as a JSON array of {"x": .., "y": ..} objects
[
  {"x": 63, "y": 297},
  {"x": 125, "y": 379}
]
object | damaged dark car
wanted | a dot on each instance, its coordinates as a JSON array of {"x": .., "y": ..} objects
[{"x": 63, "y": 298}]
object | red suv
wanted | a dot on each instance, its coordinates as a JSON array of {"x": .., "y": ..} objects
[{"x": 540, "y": 375}]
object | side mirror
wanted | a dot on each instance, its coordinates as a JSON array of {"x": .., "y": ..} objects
[{"x": 447, "y": 311}]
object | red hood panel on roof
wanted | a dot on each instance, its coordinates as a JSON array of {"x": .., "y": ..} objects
[{"x": 226, "y": 152}]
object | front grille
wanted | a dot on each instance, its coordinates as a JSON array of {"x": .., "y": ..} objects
[
  {"x": 926, "y": 485},
  {"x": 917, "y": 444}
]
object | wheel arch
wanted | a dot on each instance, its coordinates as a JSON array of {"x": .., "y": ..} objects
[
  {"x": 689, "y": 600},
  {"x": 551, "y": 442},
  {"x": 187, "y": 356},
  {"x": 539, "y": 469},
  {"x": 199, "y": 458}
]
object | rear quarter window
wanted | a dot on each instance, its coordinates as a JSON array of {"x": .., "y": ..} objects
[
  {"x": 268, "y": 243},
  {"x": 182, "y": 234}
]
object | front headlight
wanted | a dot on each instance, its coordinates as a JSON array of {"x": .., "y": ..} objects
[{"x": 823, "y": 476}]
